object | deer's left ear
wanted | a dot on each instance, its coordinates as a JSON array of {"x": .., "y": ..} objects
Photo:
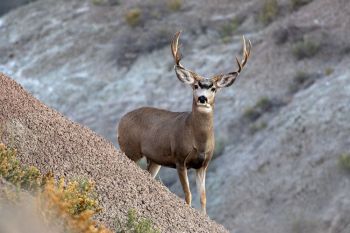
[{"x": 226, "y": 80}]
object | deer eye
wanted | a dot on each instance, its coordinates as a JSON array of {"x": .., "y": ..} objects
[
  {"x": 195, "y": 86},
  {"x": 213, "y": 89}
]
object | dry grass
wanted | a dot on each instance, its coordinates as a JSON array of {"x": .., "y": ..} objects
[
  {"x": 133, "y": 17},
  {"x": 344, "y": 161},
  {"x": 69, "y": 206},
  {"x": 305, "y": 48},
  {"x": 174, "y": 5},
  {"x": 268, "y": 12}
]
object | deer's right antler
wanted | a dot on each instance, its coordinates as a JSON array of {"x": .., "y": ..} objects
[
  {"x": 183, "y": 74},
  {"x": 175, "y": 49},
  {"x": 246, "y": 54}
]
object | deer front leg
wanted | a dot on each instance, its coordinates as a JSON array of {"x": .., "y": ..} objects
[
  {"x": 182, "y": 172},
  {"x": 200, "y": 180}
]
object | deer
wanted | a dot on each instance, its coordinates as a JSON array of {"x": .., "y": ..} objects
[{"x": 180, "y": 140}]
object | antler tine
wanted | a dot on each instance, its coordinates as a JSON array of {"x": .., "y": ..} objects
[
  {"x": 246, "y": 54},
  {"x": 175, "y": 49}
]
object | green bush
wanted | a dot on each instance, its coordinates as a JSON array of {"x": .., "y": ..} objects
[
  {"x": 174, "y": 5},
  {"x": 133, "y": 17},
  {"x": 302, "y": 80},
  {"x": 74, "y": 203},
  {"x": 344, "y": 161},
  {"x": 98, "y": 2},
  {"x": 305, "y": 48},
  {"x": 27, "y": 177},
  {"x": 269, "y": 11},
  {"x": 227, "y": 30},
  {"x": 257, "y": 127},
  {"x": 264, "y": 104},
  {"x": 328, "y": 71},
  {"x": 135, "y": 224},
  {"x": 296, "y": 4},
  {"x": 219, "y": 149}
]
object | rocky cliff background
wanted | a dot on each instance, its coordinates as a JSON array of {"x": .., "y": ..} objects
[{"x": 281, "y": 129}]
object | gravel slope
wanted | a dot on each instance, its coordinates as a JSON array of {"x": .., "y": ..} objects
[{"x": 48, "y": 140}]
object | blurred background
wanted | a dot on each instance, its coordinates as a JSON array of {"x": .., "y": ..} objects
[{"x": 282, "y": 157}]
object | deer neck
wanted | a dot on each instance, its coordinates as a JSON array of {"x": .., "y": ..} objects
[{"x": 202, "y": 128}]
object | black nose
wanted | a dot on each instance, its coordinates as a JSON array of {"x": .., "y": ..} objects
[{"x": 202, "y": 99}]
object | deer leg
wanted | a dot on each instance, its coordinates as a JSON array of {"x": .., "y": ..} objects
[
  {"x": 200, "y": 180},
  {"x": 182, "y": 172},
  {"x": 153, "y": 168}
]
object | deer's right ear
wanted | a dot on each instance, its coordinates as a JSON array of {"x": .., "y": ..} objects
[{"x": 184, "y": 75}]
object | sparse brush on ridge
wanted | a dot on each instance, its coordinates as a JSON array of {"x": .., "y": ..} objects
[
  {"x": 344, "y": 161},
  {"x": 219, "y": 149},
  {"x": 302, "y": 80},
  {"x": 26, "y": 177},
  {"x": 296, "y": 4},
  {"x": 135, "y": 224},
  {"x": 268, "y": 12},
  {"x": 305, "y": 48},
  {"x": 72, "y": 205},
  {"x": 227, "y": 30},
  {"x": 257, "y": 127},
  {"x": 133, "y": 17},
  {"x": 174, "y": 5},
  {"x": 264, "y": 104}
]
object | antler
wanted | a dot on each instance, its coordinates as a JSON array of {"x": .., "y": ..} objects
[
  {"x": 175, "y": 49},
  {"x": 246, "y": 54},
  {"x": 226, "y": 80}
]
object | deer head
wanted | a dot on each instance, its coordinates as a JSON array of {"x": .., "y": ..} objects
[{"x": 204, "y": 89}]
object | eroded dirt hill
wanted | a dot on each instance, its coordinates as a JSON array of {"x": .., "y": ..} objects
[
  {"x": 282, "y": 126},
  {"x": 48, "y": 140}
]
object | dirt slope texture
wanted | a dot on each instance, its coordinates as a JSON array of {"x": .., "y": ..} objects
[{"x": 48, "y": 140}]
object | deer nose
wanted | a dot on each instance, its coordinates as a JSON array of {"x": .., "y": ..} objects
[{"x": 202, "y": 99}]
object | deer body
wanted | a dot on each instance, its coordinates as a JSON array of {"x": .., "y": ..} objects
[
  {"x": 167, "y": 138},
  {"x": 180, "y": 140}
]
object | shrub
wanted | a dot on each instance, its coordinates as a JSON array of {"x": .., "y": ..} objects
[
  {"x": 302, "y": 80},
  {"x": 227, "y": 30},
  {"x": 257, "y": 127},
  {"x": 305, "y": 48},
  {"x": 133, "y": 17},
  {"x": 174, "y": 5},
  {"x": 73, "y": 203},
  {"x": 296, "y": 4},
  {"x": 219, "y": 147},
  {"x": 135, "y": 224},
  {"x": 27, "y": 177},
  {"x": 98, "y": 2},
  {"x": 264, "y": 104},
  {"x": 344, "y": 161},
  {"x": 328, "y": 71},
  {"x": 269, "y": 11}
]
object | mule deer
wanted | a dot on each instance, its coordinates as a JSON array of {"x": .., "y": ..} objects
[{"x": 180, "y": 140}]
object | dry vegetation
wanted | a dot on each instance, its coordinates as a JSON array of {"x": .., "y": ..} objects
[
  {"x": 69, "y": 206},
  {"x": 269, "y": 11}
]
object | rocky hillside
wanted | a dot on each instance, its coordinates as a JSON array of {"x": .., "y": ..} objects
[
  {"x": 52, "y": 143},
  {"x": 280, "y": 129}
]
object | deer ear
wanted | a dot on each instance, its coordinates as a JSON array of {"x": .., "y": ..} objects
[
  {"x": 184, "y": 75},
  {"x": 226, "y": 80}
]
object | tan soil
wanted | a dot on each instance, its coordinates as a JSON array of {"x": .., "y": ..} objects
[{"x": 51, "y": 142}]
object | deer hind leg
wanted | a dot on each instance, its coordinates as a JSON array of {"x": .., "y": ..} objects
[
  {"x": 182, "y": 172},
  {"x": 200, "y": 180},
  {"x": 153, "y": 168}
]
